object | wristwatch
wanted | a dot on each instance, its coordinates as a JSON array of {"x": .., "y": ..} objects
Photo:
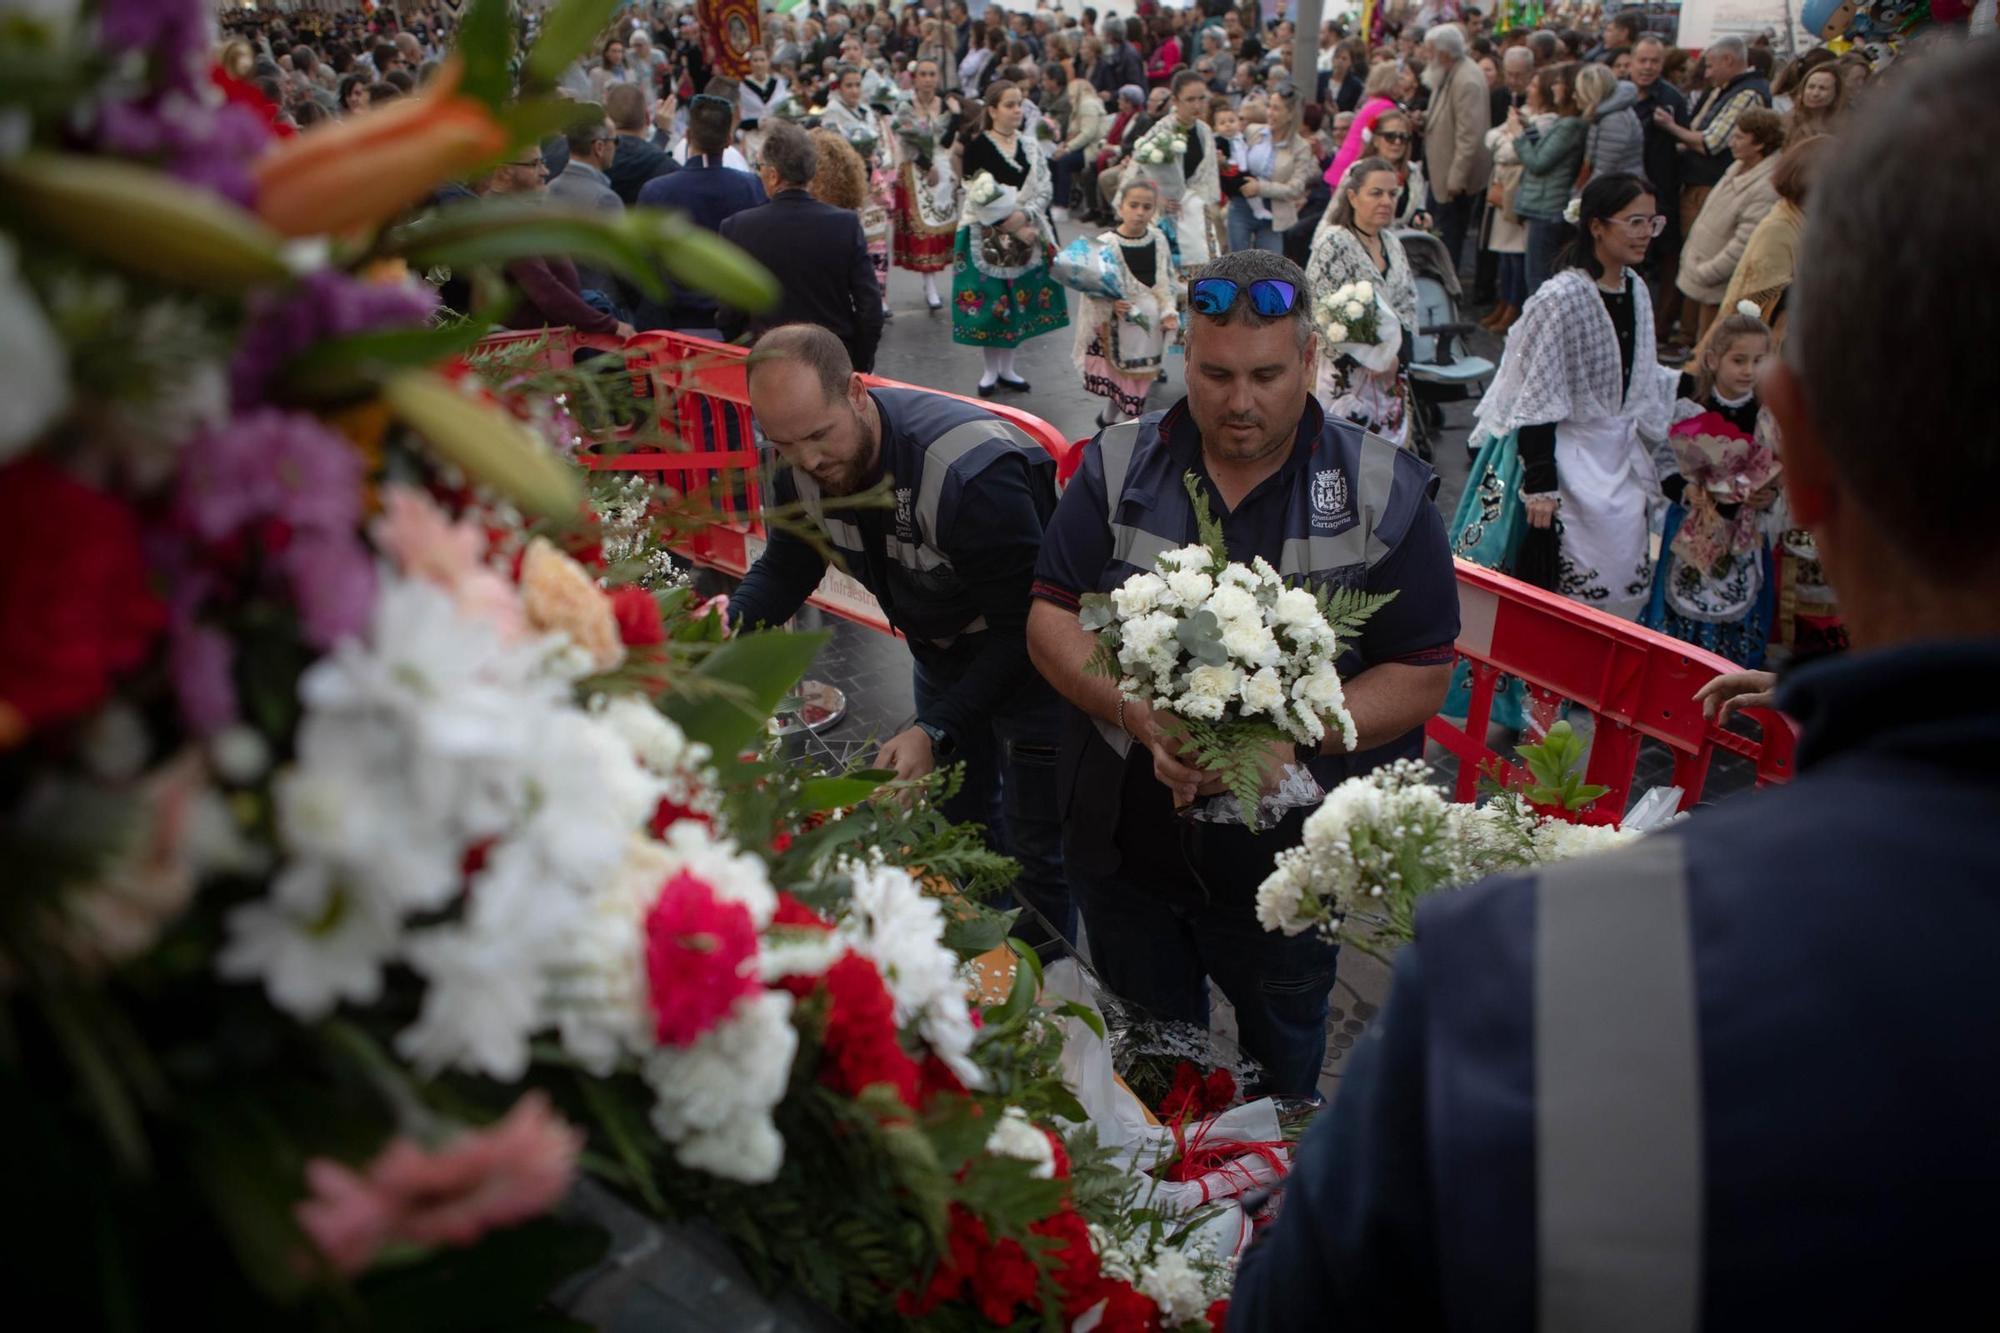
[{"x": 941, "y": 746}]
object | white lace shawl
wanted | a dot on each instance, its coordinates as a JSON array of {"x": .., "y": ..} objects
[
  {"x": 1339, "y": 258},
  {"x": 1206, "y": 184},
  {"x": 1154, "y": 302},
  {"x": 1561, "y": 364}
]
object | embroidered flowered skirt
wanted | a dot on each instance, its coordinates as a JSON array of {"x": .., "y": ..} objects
[
  {"x": 1486, "y": 530},
  {"x": 1126, "y": 392},
  {"x": 920, "y": 248},
  {"x": 1002, "y": 312},
  {"x": 1742, "y": 639}
]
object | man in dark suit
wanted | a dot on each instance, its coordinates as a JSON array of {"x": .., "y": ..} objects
[
  {"x": 816, "y": 251},
  {"x": 709, "y": 193},
  {"x": 639, "y": 160}
]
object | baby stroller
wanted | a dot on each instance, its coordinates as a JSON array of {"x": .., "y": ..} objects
[{"x": 1441, "y": 371}]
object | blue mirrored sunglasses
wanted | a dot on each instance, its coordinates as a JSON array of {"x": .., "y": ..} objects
[{"x": 1269, "y": 297}]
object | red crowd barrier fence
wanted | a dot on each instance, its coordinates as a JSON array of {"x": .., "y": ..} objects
[{"x": 1639, "y": 685}]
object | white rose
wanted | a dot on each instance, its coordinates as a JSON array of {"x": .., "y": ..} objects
[
  {"x": 1251, "y": 644},
  {"x": 1230, "y": 603},
  {"x": 1190, "y": 587},
  {"x": 1264, "y": 692},
  {"x": 1353, "y": 310},
  {"x": 1137, "y": 595},
  {"x": 1364, "y": 291},
  {"x": 1336, "y": 332},
  {"x": 1296, "y": 606}
]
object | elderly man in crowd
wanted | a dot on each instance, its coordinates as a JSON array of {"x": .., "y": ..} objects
[
  {"x": 1656, "y": 94},
  {"x": 1455, "y": 128},
  {"x": 1620, "y": 1093}
]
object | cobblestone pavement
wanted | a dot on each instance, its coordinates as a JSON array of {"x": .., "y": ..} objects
[{"x": 875, "y": 670}]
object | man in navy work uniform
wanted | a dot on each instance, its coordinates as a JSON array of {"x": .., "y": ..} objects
[
  {"x": 951, "y": 565},
  {"x": 1745, "y": 1074},
  {"x": 1169, "y": 902}
]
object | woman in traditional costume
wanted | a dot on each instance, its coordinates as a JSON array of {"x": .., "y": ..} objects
[
  {"x": 926, "y": 188},
  {"x": 1178, "y": 154},
  {"x": 1001, "y": 291},
  {"x": 849, "y": 116}
]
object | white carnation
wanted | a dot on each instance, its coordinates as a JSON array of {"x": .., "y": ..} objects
[
  {"x": 1138, "y": 595},
  {"x": 1017, "y": 1137},
  {"x": 1175, "y": 1287},
  {"x": 1230, "y": 603},
  {"x": 1239, "y": 576},
  {"x": 1336, "y": 332},
  {"x": 1214, "y": 682},
  {"x": 1146, "y": 634},
  {"x": 1263, "y": 692},
  {"x": 1281, "y": 897},
  {"x": 1352, "y": 310},
  {"x": 714, "y": 1099},
  {"x": 1200, "y": 707},
  {"x": 1185, "y": 557},
  {"x": 1250, "y": 643},
  {"x": 1296, "y": 606},
  {"x": 1364, "y": 291},
  {"x": 1190, "y": 587}
]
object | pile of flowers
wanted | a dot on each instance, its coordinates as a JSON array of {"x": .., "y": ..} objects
[
  {"x": 1235, "y": 660},
  {"x": 1380, "y": 843},
  {"x": 390, "y": 840}
]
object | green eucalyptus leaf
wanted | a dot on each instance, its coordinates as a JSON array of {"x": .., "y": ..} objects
[
  {"x": 1094, "y": 611},
  {"x": 568, "y": 31}
]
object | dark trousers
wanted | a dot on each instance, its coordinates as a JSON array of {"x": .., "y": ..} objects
[
  {"x": 1062, "y": 171},
  {"x": 1159, "y": 950},
  {"x": 1513, "y": 278},
  {"x": 1545, "y": 238},
  {"x": 1453, "y": 218},
  {"x": 1010, "y": 787}
]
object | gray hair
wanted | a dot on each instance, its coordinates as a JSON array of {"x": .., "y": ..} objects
[
  {"x": 1732, "y": 45},
  {"x": 1447, "y": 39},
  {"x": 791, "y": 154},
  {"x": 1112, "y": 30},
  {"x": 1869, "y": 277},
  {"x": 1515, "y": 56},
  {"x": 1244, "y": 267}
]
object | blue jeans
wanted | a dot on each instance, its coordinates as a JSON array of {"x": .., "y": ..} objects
[
  {"x": 1158, "y": 950},
  {"x": 1247, "y": 231},
  {"x": 1453, "y": 218},
  {"x": 1010, "y": 787},
  {"x": 1545, "y": 238},
  {"x": 1513, "y": 279}
]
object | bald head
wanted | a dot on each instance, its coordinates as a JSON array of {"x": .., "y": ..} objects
[{"x": 813, "y": 408}]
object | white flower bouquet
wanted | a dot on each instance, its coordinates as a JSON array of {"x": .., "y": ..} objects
[
  {"x": 1354, "y": 320},
  {"x": 988, "y": 202},
  {"x": 1233, "y": 661},
  {"x": 1164, "y": 146},
  {"x": 1379, "y": 843}
]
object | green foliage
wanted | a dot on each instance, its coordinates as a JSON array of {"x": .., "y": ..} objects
[
  {"x": 1348, "y": 609},
  {"x": 344, "y": 368},
  {"x": 568, "y": 30},
  {"x": 1206, "y": 524},
  {"x": 498, "y": 231},
  {"x": 1200, "y": 636},
  {"x": 486, "y": 44},
  {"x": 759, "y": 670},
  {"x": 1234, "y": 752},
  {"x": 1556, "y": 766}
]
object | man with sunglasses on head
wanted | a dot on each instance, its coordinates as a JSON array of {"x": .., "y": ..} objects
[{"x": 1169, "y": 904}]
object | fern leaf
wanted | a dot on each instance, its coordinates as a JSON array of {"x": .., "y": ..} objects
[
  {"x": 1348, "y": 609},
  {"x": 1204, "y": 519}
]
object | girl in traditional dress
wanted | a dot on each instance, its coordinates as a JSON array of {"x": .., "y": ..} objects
[
  {"x": 1120, "y": 344},
  {"x": 862, "y": 126},
  {"x": 762, "y": 89},
  {"x": 926, "y": 189},
  {"x": 1560, "y": 491},
  {"x": 1001, "y": 291},
  {"x": 1357, "y": 246},
  {"x": 1179, "y": 156},
  {"x": 1720, "y": 471}
]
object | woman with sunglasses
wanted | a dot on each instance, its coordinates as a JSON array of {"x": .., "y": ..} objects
[
  {"x": 1001, "y": 291},
  {"x": 1357, "y": 246},
  {"x": 1561, "y": 490}
]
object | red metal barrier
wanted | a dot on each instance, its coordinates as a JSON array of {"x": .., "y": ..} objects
[{"x": 1639, "y": 684}]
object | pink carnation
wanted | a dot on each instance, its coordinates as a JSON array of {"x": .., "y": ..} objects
[
  {"x": 426, "y": 544},
  {"x": 701, "y": 956},
  {"x": 482, "y": 1180}
]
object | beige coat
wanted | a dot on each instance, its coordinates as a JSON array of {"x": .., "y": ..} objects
[
  {"x": 1506, "y": 230},
  {"x": 1455, "y": 128},
  {"x": 1293, "y": 168},
  {"x": 1087, "y": 124},
  {"x": 1722, "y": 230}
]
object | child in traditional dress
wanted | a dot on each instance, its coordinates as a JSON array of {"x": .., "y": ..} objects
[
  {"x": 1120, "y": 344},
  {"x": 1713, "y": 584}
]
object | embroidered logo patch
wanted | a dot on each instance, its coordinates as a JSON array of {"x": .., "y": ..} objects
[
  {"x": 906, "y": 515},
  {"x": 1329, "y": 496}
]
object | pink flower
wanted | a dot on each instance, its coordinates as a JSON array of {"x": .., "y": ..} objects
[
  {"x": 561, "y": 596},
  {"x": 701, "y": 955},
  {"x": 482, "y": 1180},
  {"x": 417, "y": 535}
]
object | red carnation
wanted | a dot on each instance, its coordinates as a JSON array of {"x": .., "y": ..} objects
[
  {"x": 1194, "y": 1097},
  {"x": 1076, "y": 1271},
  {"x": 638, "y": 616},
  {"x": 861, "y": 1043},
  {"x": 792, "y": 912},
  {"x": 1218, "y": 1316},
  {"x": 669, "y": 813},
  {"x": 1006, "y": 1281},
  {"x": 700, "y": 959},
  {"x": 1125, "y": 1309},
  {"x": 75, "y": 608}
]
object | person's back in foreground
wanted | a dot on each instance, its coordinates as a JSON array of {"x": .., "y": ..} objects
[{"x": 1746, "y": 1073}]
